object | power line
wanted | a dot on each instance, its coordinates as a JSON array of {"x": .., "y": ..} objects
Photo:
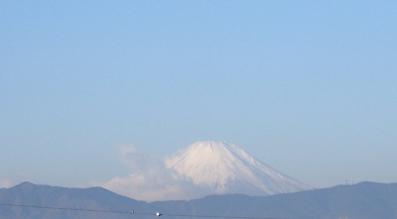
[
  {"x": 131, "y": 212},
  {"x": 217, "y": 216},
  {"x": 72, "y": 209}
]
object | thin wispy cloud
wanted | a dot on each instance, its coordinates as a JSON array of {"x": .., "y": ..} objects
[
  {"x": 134, "y": 159},
  {"x": 149, "y": 179}
]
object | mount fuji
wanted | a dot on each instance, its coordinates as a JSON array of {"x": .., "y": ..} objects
[
  {"x": 221, "y": 168},
  {"x": 204, "y": 168}
]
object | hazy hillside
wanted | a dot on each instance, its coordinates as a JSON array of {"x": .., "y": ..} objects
[
  {"x": 96, "y": 198},
  {"x": 364, "y": 201},
  {"x": 361, "y": 201}
]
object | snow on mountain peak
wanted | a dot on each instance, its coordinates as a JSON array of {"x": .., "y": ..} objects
[{"x": 227, "y": 168}]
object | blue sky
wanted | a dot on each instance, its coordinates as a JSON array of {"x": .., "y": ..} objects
[{"x": 306, "y": 86}]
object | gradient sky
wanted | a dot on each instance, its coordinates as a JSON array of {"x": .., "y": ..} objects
[{"x": 309, "y": 87}]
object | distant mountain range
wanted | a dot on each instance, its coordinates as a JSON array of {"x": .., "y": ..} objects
[{"x": 361, "y": 201}]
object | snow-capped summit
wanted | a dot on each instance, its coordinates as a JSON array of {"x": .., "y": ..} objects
[{"x": 225, "y": 168}]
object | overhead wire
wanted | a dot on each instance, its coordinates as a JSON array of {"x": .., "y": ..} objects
[
  {"x": 72, "y": 209},
  {"x": 130, "y": 212},
  {"x": 216, "y": 216}
]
